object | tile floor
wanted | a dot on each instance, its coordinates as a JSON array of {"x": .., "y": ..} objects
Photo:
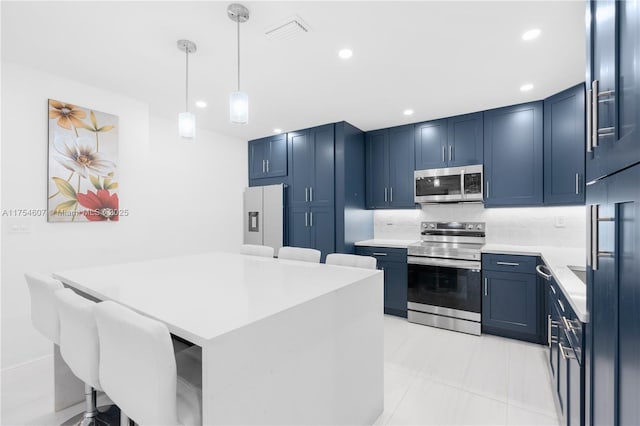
[{"x": 432, "y": 377}]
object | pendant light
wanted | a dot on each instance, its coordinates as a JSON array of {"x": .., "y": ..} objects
[
  {"x": 238, "y": 101},
  {"x": 186, "y": 120}
]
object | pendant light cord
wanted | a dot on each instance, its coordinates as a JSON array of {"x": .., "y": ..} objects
[
  {"x": 186, "y": 96},
  {"x": 238, "y": 31}
]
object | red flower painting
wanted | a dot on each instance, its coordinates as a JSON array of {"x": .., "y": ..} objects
[{"x": 100, "y": 206}]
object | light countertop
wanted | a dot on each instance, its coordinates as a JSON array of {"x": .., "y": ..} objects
[
  {"x": 386, "y": 243},
  {"x": 557, "y": 260},
  {"x": 203, "y": 296}
]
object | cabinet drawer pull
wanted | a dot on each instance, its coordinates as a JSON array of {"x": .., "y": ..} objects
[
  {"x": 543, "y": 274},
  {"x": 606, "y": 93},
  {"x": 561, "y": 305},
  {"x": 508, "y": 263},
  {"x": 564, "y": 353},
  {"x": 378, "y": 254},
  {"x": 568, "y": 324},
  {"x": 553, "y": 290}
]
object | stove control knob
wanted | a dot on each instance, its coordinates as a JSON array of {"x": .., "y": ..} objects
[
  {"x": 432, "y": 226},
  {"x": 470, "y": 226},
  {"x": 479, "y": 227}
]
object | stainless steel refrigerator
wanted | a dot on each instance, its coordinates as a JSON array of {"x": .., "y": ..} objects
[{"x": 264, "y": 216}]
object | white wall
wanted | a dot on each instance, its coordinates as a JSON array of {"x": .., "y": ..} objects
[
  {"x": 183, "y": 197},
  {"x": 549, "y": 226}
]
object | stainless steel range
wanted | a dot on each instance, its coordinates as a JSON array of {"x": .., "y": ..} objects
[{"x": 444, "y": 285}]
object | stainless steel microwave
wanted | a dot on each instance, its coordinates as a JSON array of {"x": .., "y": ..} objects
[{"x": 450, "y": 185}]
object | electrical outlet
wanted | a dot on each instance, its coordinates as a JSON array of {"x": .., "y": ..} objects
[{"x": 560, "y": 222}]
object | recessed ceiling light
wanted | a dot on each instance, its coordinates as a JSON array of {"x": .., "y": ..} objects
[
  {"x": 526, "y": 87},
  {"x": 201, "y": 104},
  {"x": 345, "y": 53},
  {"x": 531, "y": 34},
  {"x": 277, "y": 130},
  {"x": 408, "y": 112}
]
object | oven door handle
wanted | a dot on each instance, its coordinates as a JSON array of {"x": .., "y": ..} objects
[{"x": 447, "y": 263}]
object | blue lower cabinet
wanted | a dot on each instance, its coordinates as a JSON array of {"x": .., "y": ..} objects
[
  {"x": 393, "y": 261},
  {"x": 512, "y": 297},
  {"x": 312, "y": 228}
]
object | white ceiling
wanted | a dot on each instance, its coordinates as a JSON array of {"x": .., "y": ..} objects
[{"x": 438, "y": 58}]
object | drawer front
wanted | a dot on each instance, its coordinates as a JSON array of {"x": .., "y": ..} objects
[
  {"x": 569, "y": 325},
  {"x": 383, "y": 254},
  {"x": 509, "y": 263}
]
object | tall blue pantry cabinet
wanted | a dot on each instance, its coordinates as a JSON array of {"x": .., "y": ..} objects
[{"x": 613, "y": 203}]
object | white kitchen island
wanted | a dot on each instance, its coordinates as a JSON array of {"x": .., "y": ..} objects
[{"x": 283, "y": 342}]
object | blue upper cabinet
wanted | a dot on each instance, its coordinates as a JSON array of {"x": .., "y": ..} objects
[
  {"x": 465, "y": 140},
  {"x": 389, "y": 168},
  {"x": 268, "y": 157},
  {"x": 614, "y": 87},
  {"x": 312, "y": 166},
  {"x": 450, "y": 142},
  {"x": 564, "y": 147},
  {"x": 513, "y": 146},
  {"x": 431, "y": 144}
]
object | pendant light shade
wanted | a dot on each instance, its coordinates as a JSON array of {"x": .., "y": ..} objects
[
  {"x": 187, "y": 120},
  {"x": 239, "y": 107},
  {"x": 187, "y": 125},
  {"x": 238, "y": 100}
]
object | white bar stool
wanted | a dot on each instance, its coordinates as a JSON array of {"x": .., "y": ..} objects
[
  {"x": 80, "y": 349},
  {"x": 353, "y": 260},
  {"x": 257, "y": 250},
  {"x": 141, "y": 374},
  {"x": 300, "y": 254}
]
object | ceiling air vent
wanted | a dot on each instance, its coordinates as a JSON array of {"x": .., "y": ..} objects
[{"x": 288, "y": 29}]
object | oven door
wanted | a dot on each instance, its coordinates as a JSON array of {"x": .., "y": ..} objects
[{"x": 448, "y": 286}]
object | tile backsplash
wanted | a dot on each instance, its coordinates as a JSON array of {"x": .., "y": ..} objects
[{"x": 548, "y": 226}]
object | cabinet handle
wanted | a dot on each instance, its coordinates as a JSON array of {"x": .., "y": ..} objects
[
  {"x": 606, "y": 93},
  {"x": 306, "y": 194},
  {"x": 564, "y": 354},
  {"x": 553, "y": 290},
  {"x": 311, "y": 219},
  {"x": 594, "y": 114},
  {"x": 263, "y": 163},
  {"x": 306, "y": 220},
  {"x": 568, "y": 324},
  {"x": 487, "y": 190},
  {"x": 588, "y": 112},
  {"x": 508, "y": 263},
  {"x": 311, "y": 193},
  {"x": 443, "y": 153},
  {"x": 594, "y": 243},
  {"x": 561, "y": 305},
  {"x": 606, "y": 131},
  {"x": 385, "y": 195},
  {"x": 391, "y": 194},
  {"x": 450, "y": 152},
  {"x": 485, "y": 287},
  {"x": 267, "y": 166},
  {"x": 378, "y": 254},
  {"x": 543, "y": 274},
  {"x": 577, "y": 183}
]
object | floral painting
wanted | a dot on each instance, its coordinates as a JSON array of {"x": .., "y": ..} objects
[{"x": 83, "y": 151}]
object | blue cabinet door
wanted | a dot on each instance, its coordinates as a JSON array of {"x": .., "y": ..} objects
[
  {"x": 268, "y": 157},
  {"x": 301, "y": 151},
  {"x": 401, "y": 160},
  {"x": 258, "y": 158},
  {"x": 322, "y": 226},
  {"x": 377, "y": 168},
  {"x": 513, "y": 147},
  {"x": 465, "y": 140},
  {"x": 395, "y": 288},
  {"x": 431, "y": 145},
  {"x": 277, "y": 156},
  {"x": 299, "y": 231},
  {"x": 509, "y": 302},
  {"x": 564, "y": 147},
  {"x": 615, "y": 48},
  {"x": 321, "y": 190}
]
